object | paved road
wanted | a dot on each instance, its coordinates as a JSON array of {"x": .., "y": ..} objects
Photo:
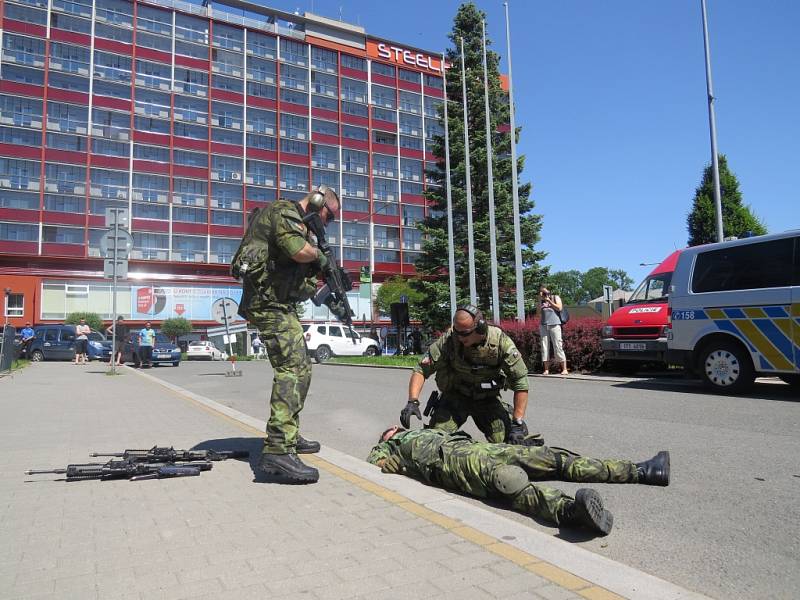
[{"x": 729, "y": 524}]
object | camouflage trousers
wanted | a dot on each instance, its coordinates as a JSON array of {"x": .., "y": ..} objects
[
  {"x": 282, "y": 335},
  {"x": 469, "y": 466},
  {"x": 490, "y": 414}
]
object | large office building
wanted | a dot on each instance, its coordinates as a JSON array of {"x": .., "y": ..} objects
[{"x": 190, "y": 115}]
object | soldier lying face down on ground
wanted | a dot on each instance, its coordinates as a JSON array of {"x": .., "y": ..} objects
[{"x": 489, "y": 470}]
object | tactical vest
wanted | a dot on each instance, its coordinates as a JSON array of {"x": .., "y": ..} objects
[
  {"x": 269, "y": 276},
  {"x": 473, "y": 372}
]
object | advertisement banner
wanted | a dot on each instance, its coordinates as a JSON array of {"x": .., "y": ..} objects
[{"x": 166, "y": 302}]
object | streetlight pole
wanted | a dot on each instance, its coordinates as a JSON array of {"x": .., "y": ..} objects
[{"x": 712, "y": 124}]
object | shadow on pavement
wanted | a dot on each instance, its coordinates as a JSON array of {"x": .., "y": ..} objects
[{"x": 759, "y": 391}]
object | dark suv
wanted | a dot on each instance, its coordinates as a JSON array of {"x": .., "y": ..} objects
[{"x": 57, "y": 342}]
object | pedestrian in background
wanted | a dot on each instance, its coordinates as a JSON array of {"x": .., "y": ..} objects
[
  {"x": 550, "y": 307},
  {"x": 82, "y": 331},
  {"x": 147, "y": 337},
  {"x": 119, "y": 340},
  {"x": 26, "y": 337},
  {"x": 258, "y": 346}
]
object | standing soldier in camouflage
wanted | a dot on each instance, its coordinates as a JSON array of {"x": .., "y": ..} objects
[
  {"x": 504, "y": 471},
  {"x": 473, "y": 362},
  {"x": 278, "y": 262}
]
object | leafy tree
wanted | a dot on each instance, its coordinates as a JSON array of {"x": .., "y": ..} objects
[
  {"x": 620, "y": 280},
  {"x": 433, "y": 263},
  {"x": 568, "y": 285},
  {"x": 737, "y": 218},
  {"x": 593, "y": 281},
  {"x": 93, "y": 320},
  {"x": 176, "y": 327}
]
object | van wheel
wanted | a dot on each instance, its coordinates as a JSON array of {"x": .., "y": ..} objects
[
  {"x": 370, "y": 351},
  {"x": 322, "y": 354},
  {"x": 37, "y": 356},
  {"x": 726, "y": 367}
]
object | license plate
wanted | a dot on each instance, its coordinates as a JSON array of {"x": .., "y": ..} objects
[
  {"x": 164, "y": 356},
  {"x": 633, "y": 346}
]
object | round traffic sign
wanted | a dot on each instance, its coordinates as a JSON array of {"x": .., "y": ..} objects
[
  {"x": 224, "y": 310},
  {"x": 124, "y": 242}
]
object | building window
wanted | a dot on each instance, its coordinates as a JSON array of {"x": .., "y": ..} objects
[
  {"x": 432, "y": 106},
  {"x": 407, "y": 75},
  {"x": 383, "y": 96},
  {"x": 324, "y": 60},
  {"x": 355, "y": 133},
  {"x": 324, "y": 127},
  {"x": 261, "y": 45},
  {"x": 382, "y": 69},
  {"x": 434, "y": 82},
  {"x": 355, "y": 109},
  {"x": 294, "y": 52},
  {"x": 23, "y": 137},
  {"x": 15, "y": 305},
  {"x": 62, "y": 235},
  {"x": 410, "y": 102},
  {"x": 294, "y": 178},
  {"x": 354, "y": 90},
  {"x": 19, "y": 232},
  {"x": 353, "y": 62},
  {"x": 228, "y": 37}
]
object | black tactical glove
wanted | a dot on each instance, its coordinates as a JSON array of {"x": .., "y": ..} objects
[
  {"x": 393, "y": 464},
  {"x": 517, "y": 433},
  {"x": 412, "y": 408}
]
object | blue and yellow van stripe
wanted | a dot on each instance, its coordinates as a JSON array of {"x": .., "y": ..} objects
[{"x": 771, "y": 332}]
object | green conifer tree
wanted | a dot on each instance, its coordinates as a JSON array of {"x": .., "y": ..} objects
[
  {"x": 737, "y": 218},
  {"x": 433, "y": 264}
]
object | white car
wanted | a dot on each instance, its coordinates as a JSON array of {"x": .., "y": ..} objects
[
  {"x": 204, "y": 351},
  {"x": 334, "y": 339}
]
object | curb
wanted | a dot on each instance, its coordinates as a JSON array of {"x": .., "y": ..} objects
[{"x": 573, "y": 568}]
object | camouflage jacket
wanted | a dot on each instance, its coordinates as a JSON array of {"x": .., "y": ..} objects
[
  {"x": 479, "y": 371},
  {"x": 451, "y": 460},
  {"x": 273, "y": 278}
]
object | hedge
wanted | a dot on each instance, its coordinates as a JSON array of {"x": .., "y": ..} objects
[{"x": 581, "y": 343}]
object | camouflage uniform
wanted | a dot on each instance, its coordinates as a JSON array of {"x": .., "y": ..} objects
[
  {"x": 270, "y": 301},
  {"x": 456, "y": 462},
  {"x": 471, "y": 380}
]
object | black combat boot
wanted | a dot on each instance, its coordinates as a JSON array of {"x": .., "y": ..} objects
[
  {"x": 587, "y": 511},
  {"x": 654, "y": 471},
  {"x": 305, "y": 446},
  {"x": 288, "y": 468}
]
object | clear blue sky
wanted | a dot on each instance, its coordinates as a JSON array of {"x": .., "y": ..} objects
[{"x": 611, "y": 99}]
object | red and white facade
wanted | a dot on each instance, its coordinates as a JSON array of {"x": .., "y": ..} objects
[{"x": 191, "y": 116}]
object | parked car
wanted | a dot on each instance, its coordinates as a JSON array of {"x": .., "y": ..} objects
[
  {"x": 205, "y": 350},
  {"x": 334, "y": 339},
  {"x": 57, "y": 342},
  {"x": 164, "y": 351}
]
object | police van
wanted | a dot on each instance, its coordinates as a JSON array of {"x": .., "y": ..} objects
[{"x": 735, "y": 311}]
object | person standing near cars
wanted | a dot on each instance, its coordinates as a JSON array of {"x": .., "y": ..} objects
[
  {"x": 550, "y": 307},
  {"x": 120, "y": 339},
  {"x": 82, "y": 331},
  {"x": 26, "y": 337},
  {"x": 147, "y": 338},
  {"x": 278, "y": 262},
  {"x": 473, "y": 362}
]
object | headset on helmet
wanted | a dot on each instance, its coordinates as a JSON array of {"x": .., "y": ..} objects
[
  {"x": 316, "y": 200},
  {"x": 481, "y": 326}
]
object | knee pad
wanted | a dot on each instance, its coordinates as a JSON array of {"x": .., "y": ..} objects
[{"x": 509, "y": 480}]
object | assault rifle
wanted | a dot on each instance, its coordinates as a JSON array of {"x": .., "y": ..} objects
[
  {"x": 125, "y": 469},
  {"x": 337, "y": 281},
  {"x": 158, "y": 454}
]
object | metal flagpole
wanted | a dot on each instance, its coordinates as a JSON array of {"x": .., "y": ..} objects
[
  {"x": 114, "y": 301},
  {"x": 496, "y": 313},
  {"x": 473, "y": 296},
  {"x": 515, "y": 184},
  {"x": 451, "y": 260},
  {"x": 712, "y": 125}
]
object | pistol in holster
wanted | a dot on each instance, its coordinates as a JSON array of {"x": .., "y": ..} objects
[{"x": 432, "y": 404}]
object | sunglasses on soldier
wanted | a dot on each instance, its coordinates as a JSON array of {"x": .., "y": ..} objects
[{"x": 463, "y": 333}]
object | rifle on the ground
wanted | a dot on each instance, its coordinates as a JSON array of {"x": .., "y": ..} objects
[
  {"x": 337, "y": 281},
  {"x": 126, "y": 469},
  {"x": 432, "y": 404},
  {"x": 158, "y": 454}
]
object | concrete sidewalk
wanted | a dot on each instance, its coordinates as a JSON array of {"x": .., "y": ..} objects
[{"x": 355, "y": 534}]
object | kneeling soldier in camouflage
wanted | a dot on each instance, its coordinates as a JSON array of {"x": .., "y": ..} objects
[{"x": 487, "y": 470}]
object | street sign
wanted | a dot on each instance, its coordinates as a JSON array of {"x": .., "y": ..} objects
[
  {"x": 118, "y": 217},
  {"x": 108, "y": 268},
  {"x": 608, "y": 293},
  {"x": 224, "y": 310},
  {"x": 124, "y": 243}
]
